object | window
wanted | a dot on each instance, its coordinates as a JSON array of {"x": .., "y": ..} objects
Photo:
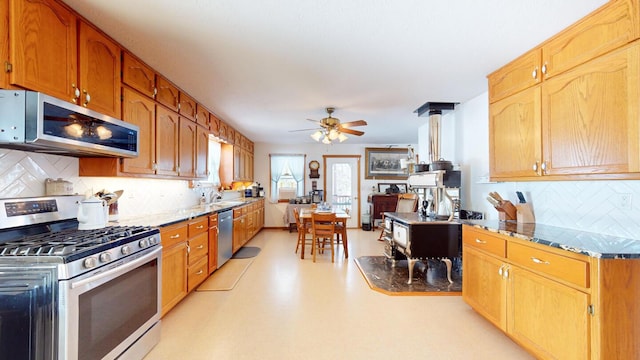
[{"x": 287, "y": 176}]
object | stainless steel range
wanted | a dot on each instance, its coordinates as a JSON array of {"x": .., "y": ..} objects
[{"x": 75, "y": 294}]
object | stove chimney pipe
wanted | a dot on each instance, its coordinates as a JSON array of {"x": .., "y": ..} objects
[{"x": 434, "y": 110}]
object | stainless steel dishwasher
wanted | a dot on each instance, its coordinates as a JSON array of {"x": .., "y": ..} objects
[{"x": 225, "y": 237}]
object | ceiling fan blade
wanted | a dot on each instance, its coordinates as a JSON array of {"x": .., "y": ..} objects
[
  {"x": 354, "y": 123},
  {"x": 315, "y": 121},
  {"x": 351, "y": 131},
  {"x": 303, "y": 130}
]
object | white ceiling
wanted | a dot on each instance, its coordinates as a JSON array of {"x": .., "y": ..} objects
[{"x": 264, "y": 66}]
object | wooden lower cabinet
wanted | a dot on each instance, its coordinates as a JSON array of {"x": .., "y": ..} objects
[
  {"x": 213, "y": 242},
  {"x": 554, "y": 303},
  {"x": 174, "y": 265}
]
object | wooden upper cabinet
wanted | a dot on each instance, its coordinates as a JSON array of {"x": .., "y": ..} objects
[
  {"x": 223, "y": 131},
  {"x": 214, "y": 125},
  {"x": 202, "y": 152},
  {"x": 609, "y": 27},
  {"x": 202, "y": 116},
  {"x": 518, "y": 75},
  {"x": 187, "y": 149},
  {"x": 43, "y": 47},
  {"x": 231, "y": 135},
  {"x": 590, "y": 116},
  {"x": 99, "y": 63},
  {"x": 138, "y": 75},
  {"x": 168, "y": 94},
  {"x": 238, "y": 139},
  {"x": 167, "y": 141},
  {"x": 187, "y": 106},
  {"x": 514, "y": 135},
  {"x": 140, "y": 111}
]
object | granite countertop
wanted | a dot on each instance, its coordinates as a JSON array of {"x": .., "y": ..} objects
[
  {"x": 582, "y": 242},
  {"x": 172, "y": 217}
]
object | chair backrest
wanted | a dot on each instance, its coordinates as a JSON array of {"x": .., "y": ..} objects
[
  {"x": 296, "y": 215},
  {"x": 407, "y": 203},
  {"x": 323, "y": 224}
]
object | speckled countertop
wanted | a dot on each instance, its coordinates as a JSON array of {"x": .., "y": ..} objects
[
  {"x": 172, "y": 217},
  {"x": 587, "y": 243}
]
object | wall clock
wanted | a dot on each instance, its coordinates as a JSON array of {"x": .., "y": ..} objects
[{"x": 313, "y": 167}]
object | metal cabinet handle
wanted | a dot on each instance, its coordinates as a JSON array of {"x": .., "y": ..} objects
[
  {"x": 506, "y": 271},
  {"x": 534, "y": 73},
  {"x": 188, "y": 249},
  {"x": 535, "y": 167},
  {"x": 176, "y": 236},
  {"x": 544, "y": 68},
  {"x": 199, "y": 226},
  {"x": 87, "y": 98},
  {"x": 501, "y": 270},
  {"x": 200, "y": 272},
  {"x": 543, "y": 166},
  {"x": 200, "y": 247},
  {"x": 539, "y": 261},
  {"x": 155, "y": 91},
  {"x": 480, "y": 241},
  {"x": 76, "y": 93}
]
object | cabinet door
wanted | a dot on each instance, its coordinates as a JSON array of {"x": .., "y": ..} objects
[
  {"x": 43, "y": 48},
  {"x": 613, "y": 25},
  {"x": 213, "y": 248},
  {"x": 202, "y": 152},
  {"x": 140, "y": 111},
  {"x": 590, "y": 116},
  {"x": 238, "y": 233},
  {"x": 168, "y": 94},
  {"x": 202, "y": 116},
  {"x": 483, "y": 286},
  {"x": 549, "y": 318},
  {"x": 138, "y": 75},
  {"x": 167, "y": 130},
  {"x": 514, "y": 135},
  {"x": 174, "y": 275},
  {"x": 99, "y": 62},
  {"x": 238, "y": 163},
  {"x": 519, "y": 74},
  {"x": 214, "y": 125},
  {"x": 187, "y": 106},
  {"x": 186, "y": 153}
]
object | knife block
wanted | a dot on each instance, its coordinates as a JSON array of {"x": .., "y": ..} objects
[
  {"x": 525, "y": 214},
  {"x": 506, "y": 211}
]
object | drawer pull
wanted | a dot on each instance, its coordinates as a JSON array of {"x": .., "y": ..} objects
[
  {"x": 478, "y": 241},
  {"x": 538, "y": 261},
  {"x": 200, "y": 272},
  {"x": 501, "y": 270},
  {"x": 199, "y": 226},
  {"x": 174, "y": 236},
  {"x": 200, "y": 247}
]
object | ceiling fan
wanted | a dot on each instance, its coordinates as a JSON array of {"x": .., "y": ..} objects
[{"x": 331, "y": 128}]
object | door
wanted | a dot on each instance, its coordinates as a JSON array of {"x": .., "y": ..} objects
[{"x": 342, "y": 185}]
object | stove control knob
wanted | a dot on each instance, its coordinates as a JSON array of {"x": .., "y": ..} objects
[
  {"x": 90, "y": 262},
  {"x": 143, "y": 243},
  {"x": 126, "y": 250},
  {"x": 105, "y": 257}
]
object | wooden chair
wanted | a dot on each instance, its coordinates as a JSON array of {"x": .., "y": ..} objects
[
  {"x": 323, "y": 226},
  {"x": 304, "y": 229},
  {"x": 407, "y": 202}
]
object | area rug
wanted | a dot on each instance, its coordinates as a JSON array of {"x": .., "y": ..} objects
[
  {"x": 246, "y": 252},
  {"x": 429, "y": 277},
  {"x": 226, "y": 278}
]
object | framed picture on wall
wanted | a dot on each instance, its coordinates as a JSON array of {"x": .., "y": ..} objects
[{"x": 384, "y": 163}]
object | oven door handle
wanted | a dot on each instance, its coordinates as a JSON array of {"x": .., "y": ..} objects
[{"x": 117, "y": 270}]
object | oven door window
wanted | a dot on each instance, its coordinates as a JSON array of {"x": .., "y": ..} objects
[
  {"x": 111, "y": 312},
  {"x": 27, "y": 312}
]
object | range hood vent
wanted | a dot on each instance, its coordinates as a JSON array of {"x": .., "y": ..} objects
[{"x": 434, "y": 111}]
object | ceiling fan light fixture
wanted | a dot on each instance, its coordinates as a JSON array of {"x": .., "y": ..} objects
[
  {"x": 333, "y": 134},
  {"x": 342, "y": 137},
  {"x": 326, "y": 140},
  {"x": 316, "y": 135}
]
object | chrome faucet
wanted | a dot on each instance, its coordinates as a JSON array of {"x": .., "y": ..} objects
[{"x": 215, "y": 196}]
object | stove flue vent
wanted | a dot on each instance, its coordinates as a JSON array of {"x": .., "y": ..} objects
[{"x": 434, "y": 111}]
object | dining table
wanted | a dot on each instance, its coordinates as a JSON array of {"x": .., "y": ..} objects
[{"x": 341, "y": 218}]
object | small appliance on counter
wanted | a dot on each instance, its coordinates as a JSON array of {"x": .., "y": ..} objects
[
  {"x": 93, "y": 213},
  {"x": 316, "y": 196}
]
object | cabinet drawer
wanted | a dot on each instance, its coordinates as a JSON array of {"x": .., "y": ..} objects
[
  {"x": 237, "y": 212},
  {"x": 198, "y": 247},
  {"x": 213, "y": 220},
  {"x": 197, "y": 274},
  {"x": 172, "y": 235},
  {"x": 485, "y": 242},
  {"x": 563, "y": 268},
  {"x": 198, "y": 226}
]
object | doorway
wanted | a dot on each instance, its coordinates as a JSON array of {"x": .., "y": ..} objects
[{"x": 342, "y": 185}]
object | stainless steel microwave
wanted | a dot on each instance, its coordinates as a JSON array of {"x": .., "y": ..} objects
[{"x": 36, "y": 122}]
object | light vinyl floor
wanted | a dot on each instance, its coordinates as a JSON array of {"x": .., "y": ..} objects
[{"x": 288, "y": 308}]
